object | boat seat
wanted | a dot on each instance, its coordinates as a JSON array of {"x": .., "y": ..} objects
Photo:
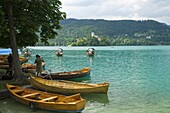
[
  {"x": 17, "y": 90},
  {"x": 46, "y": 99},
  {"x": 71, "y": 98},
  {"x": 12, "y": 87},
  {"x": 32, "y": 94}
]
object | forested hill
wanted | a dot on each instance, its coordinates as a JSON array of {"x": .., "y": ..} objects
[{"x": 118, "y": 31}]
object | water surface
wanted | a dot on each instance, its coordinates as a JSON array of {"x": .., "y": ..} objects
[{"x": 139, "y": 78}]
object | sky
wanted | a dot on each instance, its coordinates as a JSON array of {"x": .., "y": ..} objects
[{"x": 158, "y": 10}]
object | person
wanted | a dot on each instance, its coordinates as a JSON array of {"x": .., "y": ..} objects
[
  {"x": 38, "y": 63},
  {"x": 27, "y": 53},
  {"x": 87, "y": 52},
  {"x": 10, "y": 69}
]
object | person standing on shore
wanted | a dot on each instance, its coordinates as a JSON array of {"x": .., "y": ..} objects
[
  {"x": 10, "y": 69},
  {"x": 38, "y": 63},
  {"x": 10, "y": 60}
]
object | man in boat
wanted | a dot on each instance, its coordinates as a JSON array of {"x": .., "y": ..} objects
[
  {"x": 27, "y": 53},
  {"x": 38, "y": 63}
]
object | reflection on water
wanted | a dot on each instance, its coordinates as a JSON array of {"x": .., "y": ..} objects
[
  {"x": 100, "y": 98},
  {"x": 90, "y": 58}
]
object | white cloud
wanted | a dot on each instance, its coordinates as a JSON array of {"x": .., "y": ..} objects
[{"x": 118, "y": 9}]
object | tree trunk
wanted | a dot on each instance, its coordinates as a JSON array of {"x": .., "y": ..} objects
[{"x": 18, "y": 75}]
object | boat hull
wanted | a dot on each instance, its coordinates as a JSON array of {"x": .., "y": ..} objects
[
  {"x": 5, "y": 65},
  {"x": 59, "y": 53},
  {"x": 70, "y": 87},
  {"x": 63, "y": 106},
  {"x": 70, "y": 75}
]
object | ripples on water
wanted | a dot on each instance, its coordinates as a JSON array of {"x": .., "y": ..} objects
[{"x": 139, "y": 78}]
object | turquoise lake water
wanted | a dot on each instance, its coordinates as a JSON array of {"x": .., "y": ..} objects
[{"x": 139, "y": 78}]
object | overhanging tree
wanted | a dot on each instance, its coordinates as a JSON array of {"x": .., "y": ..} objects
[{"x": 25, "y": 22}]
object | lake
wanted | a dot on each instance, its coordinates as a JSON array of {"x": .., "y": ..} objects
[{"x": 139, "y": 78}]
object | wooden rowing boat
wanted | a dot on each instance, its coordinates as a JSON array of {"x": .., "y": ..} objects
[
  {"x": 5, "y": 65},
  {"x": 4, "y": 61},
  {"x": 90, "y": 52},
  {"x": 3, "y": 56},
  {"x": 47, "y": 101},
  {"x": 26, "y": 52},
  {"x": 59, "y": 52},
  {"x": 69, "y": 75},
  {"x": 63, "y": 86},
  {"x": 23, "y": 59},
  {"x": 30, "y": 68}
]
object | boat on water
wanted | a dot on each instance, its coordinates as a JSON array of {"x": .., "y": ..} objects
[
  {"x": 68, "y": 75},
  {"x": 59, "y": 52},
  {"x": 26, "y": 52},
  {"x": 30, "y": 68},
  {"x": 90, "y": 52},
  {"x": 47, "y": 101},
  {"x": 68, "y": 87}
]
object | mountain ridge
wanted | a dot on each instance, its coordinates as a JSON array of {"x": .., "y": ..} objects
[{"x": 158, "y": 33}]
